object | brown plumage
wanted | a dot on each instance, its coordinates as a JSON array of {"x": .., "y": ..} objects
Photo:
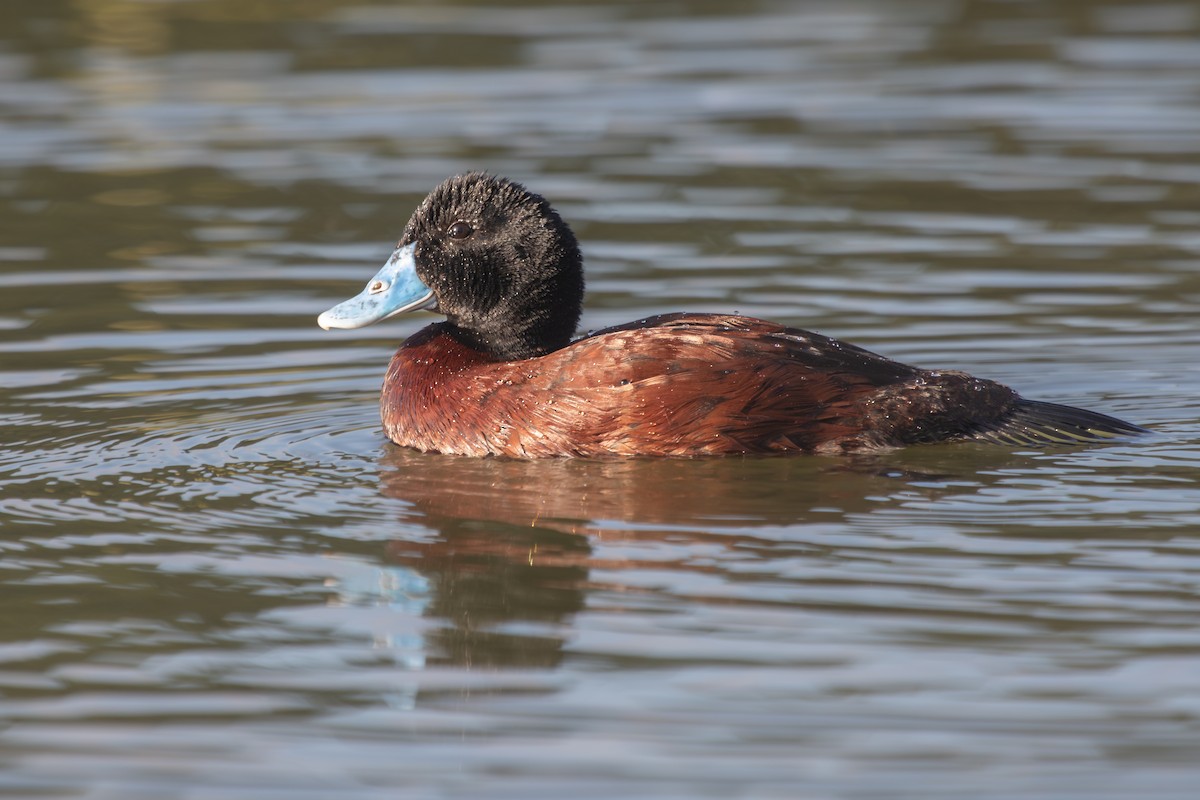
[{"x": 678, "y": 385}]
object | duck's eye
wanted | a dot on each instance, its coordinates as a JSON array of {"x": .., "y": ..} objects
[
  {"x": 460, "y": 230},
  {"x": 376, "y": 287}
]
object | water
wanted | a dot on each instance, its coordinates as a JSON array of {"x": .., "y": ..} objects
[{"x": 221, "y": 582}]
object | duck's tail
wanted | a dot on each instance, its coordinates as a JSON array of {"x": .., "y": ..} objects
[{"x": 1032, "y": 422}]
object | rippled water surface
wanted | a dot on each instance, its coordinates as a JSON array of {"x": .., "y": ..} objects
[{"x": 220, "y": 581}]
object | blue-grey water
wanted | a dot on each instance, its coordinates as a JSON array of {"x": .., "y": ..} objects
[{"x": 219, "y": 582}]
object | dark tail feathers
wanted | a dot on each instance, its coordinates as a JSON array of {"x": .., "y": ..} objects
[{"x": 1035, "y": 423}]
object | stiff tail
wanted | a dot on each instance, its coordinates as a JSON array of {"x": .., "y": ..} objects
[{"x": 1035, "y": 423}]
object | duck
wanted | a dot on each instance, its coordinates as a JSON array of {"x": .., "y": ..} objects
[{"x": 503, "y": 376}]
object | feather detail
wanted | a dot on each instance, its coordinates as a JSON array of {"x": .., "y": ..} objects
[{"x": 1034, "y": 423}]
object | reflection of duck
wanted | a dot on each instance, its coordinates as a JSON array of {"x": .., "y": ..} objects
[
  {"x": 501, "y": 377},
  {"x": 512, "y": 553},
  {"x": 627, "y": 498},
  {"x": 640, "y": 499},
  {"x": 511, "y": 550}
]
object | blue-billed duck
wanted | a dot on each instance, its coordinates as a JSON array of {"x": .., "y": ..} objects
[{"x": 502, "y": 376}]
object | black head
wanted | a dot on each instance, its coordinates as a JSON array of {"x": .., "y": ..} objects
[{"x": 503, "y": 266}]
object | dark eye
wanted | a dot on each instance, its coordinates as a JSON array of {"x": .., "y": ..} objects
[{"x": 460, "y": 230}]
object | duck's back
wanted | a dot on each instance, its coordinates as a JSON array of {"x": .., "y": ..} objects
[{"x": 678, "y": 385}]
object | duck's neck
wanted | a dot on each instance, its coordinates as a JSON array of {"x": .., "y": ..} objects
[
  {"x": 522, "y": 326},
  {"x": 505, "y": 343}
]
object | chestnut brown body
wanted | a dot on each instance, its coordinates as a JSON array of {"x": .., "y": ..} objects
[{"x": 677, "y": 385}]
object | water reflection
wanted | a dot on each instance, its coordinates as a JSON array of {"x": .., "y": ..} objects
[
  {"x": 513, "y": 555},
  {"x": 512, "y": 558},
  {"x": 578, "y": 496}
]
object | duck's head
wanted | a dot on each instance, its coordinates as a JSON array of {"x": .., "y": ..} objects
[{"x": 491, "y": 256}]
